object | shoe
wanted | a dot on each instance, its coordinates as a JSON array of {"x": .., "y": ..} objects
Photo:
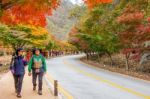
[
  {"x": 19, "y": 95},
  {"x": 34, "y": 88},
  {"x": 40, "y": 92}
]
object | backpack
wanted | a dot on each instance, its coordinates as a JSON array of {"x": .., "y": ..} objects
[{"x": 37, "y": 64}]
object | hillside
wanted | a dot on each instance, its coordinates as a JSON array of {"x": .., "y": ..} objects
[{"x": 59, "y": 23}]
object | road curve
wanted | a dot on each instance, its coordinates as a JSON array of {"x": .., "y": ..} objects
[{"x": 84, "y": 82}]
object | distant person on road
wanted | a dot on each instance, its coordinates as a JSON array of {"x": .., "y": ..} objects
[
  {"x": 37, "y": 65},
  {"x": 17, "y": 68},
  {"x": 28, "y": 55}
]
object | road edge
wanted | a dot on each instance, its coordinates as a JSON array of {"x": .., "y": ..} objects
[{"x": 109, "y": 70}]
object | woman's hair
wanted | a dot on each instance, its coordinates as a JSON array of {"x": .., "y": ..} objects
[
  {"x": 18, "y": 50},
  {"x": 36, "y": 50}
]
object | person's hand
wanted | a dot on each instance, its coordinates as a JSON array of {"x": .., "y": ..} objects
[{"x": 29, "y": 74}]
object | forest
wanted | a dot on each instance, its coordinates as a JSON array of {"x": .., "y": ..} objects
[{"x": 114, "y": 34}]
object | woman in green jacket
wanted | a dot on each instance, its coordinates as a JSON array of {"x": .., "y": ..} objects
[{"x": 37, "y": 65}]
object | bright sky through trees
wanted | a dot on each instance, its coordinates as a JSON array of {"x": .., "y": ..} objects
[{"x": 77, "y": 1}]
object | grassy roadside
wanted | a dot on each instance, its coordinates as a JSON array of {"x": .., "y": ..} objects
[
  {"x": 4, "y": 69},
  {"x": 137, "y": 74},
  {"x": 4, "y": 61}
]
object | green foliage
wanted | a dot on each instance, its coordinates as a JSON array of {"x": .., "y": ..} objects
[
  {"x": 77, "y": 12},
  {"x": 19, "y": 36},
  {"x": 98, "y": 28},
  {"x": 51, "y": 45}
]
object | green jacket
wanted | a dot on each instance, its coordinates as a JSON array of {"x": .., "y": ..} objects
[{"x": 31, "y": 62}]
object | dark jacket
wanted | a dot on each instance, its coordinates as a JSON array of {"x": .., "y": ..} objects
[{"x": 18, "y": 65}]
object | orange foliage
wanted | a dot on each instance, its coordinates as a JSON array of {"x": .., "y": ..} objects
[
  {"x": 31, "y": 12},
  {"x": 92, "y": 3}
]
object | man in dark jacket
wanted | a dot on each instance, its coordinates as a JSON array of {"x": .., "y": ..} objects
[{"x": 18, "y": 70}]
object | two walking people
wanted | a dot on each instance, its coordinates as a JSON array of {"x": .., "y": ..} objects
[{"x": 36, "y": 68}]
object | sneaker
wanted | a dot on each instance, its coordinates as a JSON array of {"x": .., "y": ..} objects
[
  {"x": 40, "y": 92},
  {"x": 19, "y": 95},
  {"x": 34, "y": 88}
]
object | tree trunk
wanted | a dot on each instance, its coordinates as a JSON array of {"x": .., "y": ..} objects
[
  {"x": 127, "y": 61},
  {"x": 90, "y": 55},
  {"x": 127, "y": 64},
  {"x": 87, "y": 56},
  {"x": 99, "y": 57},
  {"x": 110, "y": 58}
]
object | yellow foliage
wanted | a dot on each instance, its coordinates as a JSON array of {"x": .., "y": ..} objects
[{"x": 38, "y": 31}]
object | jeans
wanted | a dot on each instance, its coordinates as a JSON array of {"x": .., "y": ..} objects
[
  {"x": 40, "y": 79},
  {"x": 18, "y": 80}
]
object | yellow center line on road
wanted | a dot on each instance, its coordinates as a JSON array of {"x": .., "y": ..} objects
[
  {"x": 106, "y": 81},
  {"x": 60, "y": 88},
  {"x": 100, "y": 69}
]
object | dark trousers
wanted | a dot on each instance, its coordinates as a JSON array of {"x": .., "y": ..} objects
[
  {"x": 18, "y": 80},
  {"x": 40, "y": 79}
]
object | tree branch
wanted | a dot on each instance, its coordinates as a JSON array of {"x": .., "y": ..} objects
[{"x": 10, "y": 4}]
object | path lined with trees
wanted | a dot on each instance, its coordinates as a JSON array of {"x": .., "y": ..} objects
[
  {"x": 112, "y": 33},
  {"x": 118, "y": 29}
]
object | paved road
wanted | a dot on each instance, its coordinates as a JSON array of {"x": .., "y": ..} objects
[{"x": 84, "y": 82}]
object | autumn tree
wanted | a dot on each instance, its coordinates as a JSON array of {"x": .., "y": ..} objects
[
  {"x": 135, "y": 28},
  {"x": 31, "y": 12},
  {"x": 93, "y": 31},
  {"x": 24, "y": 20},
  {"x": 120, "y": 26},
  {"x": 22, "y": 35}
]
